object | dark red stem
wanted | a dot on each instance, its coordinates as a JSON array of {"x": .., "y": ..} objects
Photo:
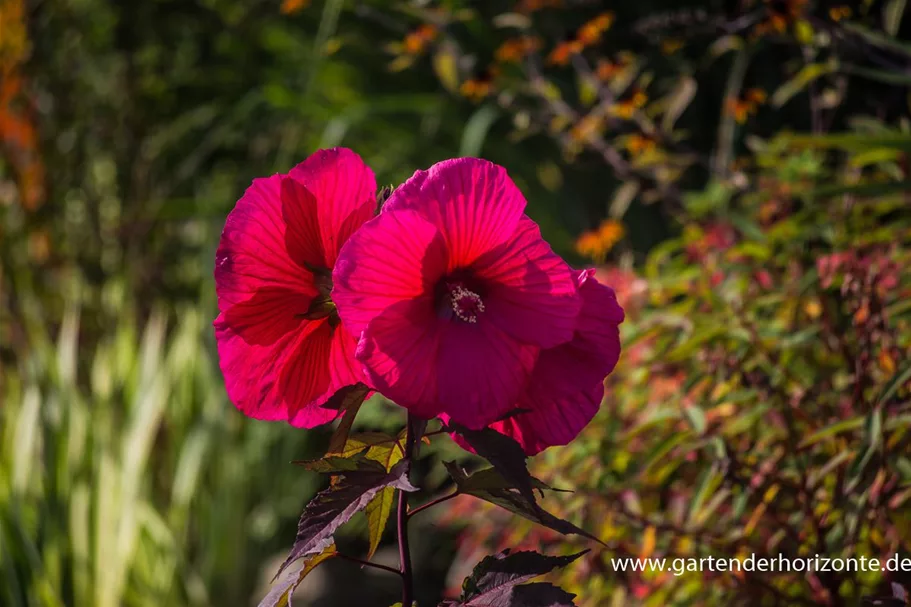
[
  {"x": 354, "y": 559},
  {"x": 433, "y": 503},
  {"x": 404, "y": 550}
]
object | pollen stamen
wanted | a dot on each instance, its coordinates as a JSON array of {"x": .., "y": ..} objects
[{"x": 466, "y": 304}]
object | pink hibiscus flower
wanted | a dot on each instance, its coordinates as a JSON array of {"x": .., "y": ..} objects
[
  {"x": 453, "y": 293},
  {"x": 281, "y": 346},
  {"x": 567, "y": 385}
]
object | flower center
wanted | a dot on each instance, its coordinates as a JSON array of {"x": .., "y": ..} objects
[
  {"x": 322, "y": 305},
  {"x": 466, "y": 304}
]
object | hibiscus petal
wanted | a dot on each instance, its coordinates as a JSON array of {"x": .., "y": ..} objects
[
  {"x": 277, "y": 380},
  {"x": 252, "y": 253},
  {"x": 531, "y": 294},
  {"x": 473, "y": 202},
  {"x": 399, "y": 351},
  {"x": 481, "y": 372},
  {"x": 267, "y": 316},
  {"x": 599, "y": 318},
  {"x": 394, "y": 257},
  {"x": 263, "y": 291},
  {"x": 567, "y": 384},
  {"x": 337, "y": 347},
  {"x": 302, "y": 231},
  {"x": 277, "y": 365},
  {"x": 344, "y": 368},
  {"x": 345, "y": 191},
  {"x": 549, "y": 421},
  {"x": 305, "y": 377}
]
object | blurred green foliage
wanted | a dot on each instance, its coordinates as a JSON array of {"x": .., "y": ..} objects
[
  {"x": 127, "y": 132},
  {"x": 762, "y": 401},
  {"x": 127, "y": 476},
  {"x": 763, "y": 398}
]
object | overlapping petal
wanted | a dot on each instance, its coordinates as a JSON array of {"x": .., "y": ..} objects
[
  {"x": 399, "y": 351},
  {"x": 394, "y": 258},
  {"x": 279, "y": 361},
  {"x": 454, "y": 231},
  {"x": 252, "y": 254},
  {"x": 531, "y": 292},
  {"x": 567, "y": 386},
  {"x": 346, "y": 190},
  {"x": 481, "y": 372},
  {"x": 473, "y": 202}
]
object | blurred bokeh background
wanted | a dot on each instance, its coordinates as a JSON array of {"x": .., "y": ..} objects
[{"x": 738, "y": 170}]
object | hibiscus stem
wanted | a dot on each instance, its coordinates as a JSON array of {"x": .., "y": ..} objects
[
  {"x": 365, "y": 563},
  {"x": 433, "y": 503},
  {"x": 404, "y": 549}
]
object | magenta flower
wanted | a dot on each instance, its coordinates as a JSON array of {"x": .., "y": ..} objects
[
  {"x": 453, "y": 293},
  {"x": 281, "y": 347},
  {"x": 567, "y": 384}
]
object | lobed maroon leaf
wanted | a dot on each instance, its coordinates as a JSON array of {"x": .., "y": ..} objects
[
  {"x": 504, "y": 454},
  {"x": 333, "y": 464},
  {"x": 539, "y": 594},
  {"x": 499, "y": 581},
  {"x": 335, "y": 506},
  {"x": 347, "y": 396},
  {"x": 489, "y": 478},
  {"x": 510, "y": 499},
  {"x": 418, "y": 428},
  {"x": 281, "y": 593},
  {"x": 899, "y": 598},
  {"x": 511, "y": 568},
  {"x": 348, "y": 399}
]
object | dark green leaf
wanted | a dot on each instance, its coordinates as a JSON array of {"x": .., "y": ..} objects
[
  {"x": 889, "y": 77},
  {"x": 879, "y": 38},
  {"x": 892, "y": 17},
  {"x": 884, "y": 188},
  {"x": 874, "y": 435},
  {"x": 852, "y": 141},
  {"x": 679, "y": 99},
  {"x": 900, "y": 378},
  {"x": 846, "y": 425},
  {"x": 798, "y": 83},
  {"x": 476, "y": 130}
]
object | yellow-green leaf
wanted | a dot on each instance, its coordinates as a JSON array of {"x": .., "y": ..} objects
[
  {"x": 680, "y": 99},
  {"x": 446, "y": 66},
  {"x": 798, "y": 83},
  {"x": 362, "y": 441},
  {"x": 379, "y": 509}
]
